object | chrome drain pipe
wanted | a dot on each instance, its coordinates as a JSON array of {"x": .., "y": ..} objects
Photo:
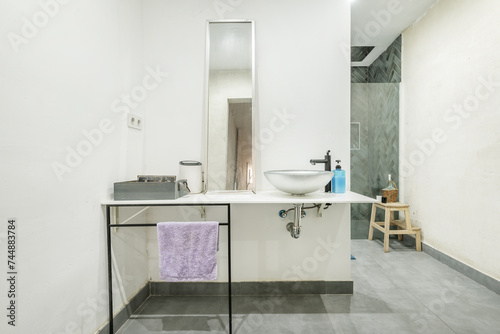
[{"x": 294, "y": 228}]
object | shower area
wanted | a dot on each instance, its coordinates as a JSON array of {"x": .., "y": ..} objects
[{"x": 374, "y": 132}]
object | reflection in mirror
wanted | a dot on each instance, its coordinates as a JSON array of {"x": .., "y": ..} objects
[{"x": 230, "y": 156}]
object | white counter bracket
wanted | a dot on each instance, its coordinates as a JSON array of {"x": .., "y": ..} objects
[{"x": 116, "y": 216}]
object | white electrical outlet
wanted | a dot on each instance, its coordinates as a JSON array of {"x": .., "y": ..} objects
[{"x": 134, "y": 121}]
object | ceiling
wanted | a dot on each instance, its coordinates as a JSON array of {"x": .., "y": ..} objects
[{"x": 378, "y": 23}]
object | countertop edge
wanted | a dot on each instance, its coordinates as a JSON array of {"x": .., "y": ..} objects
[{"x": 261, "y": 197}]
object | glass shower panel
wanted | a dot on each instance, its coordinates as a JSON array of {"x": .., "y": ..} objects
[{"x": 375, "y": 106}]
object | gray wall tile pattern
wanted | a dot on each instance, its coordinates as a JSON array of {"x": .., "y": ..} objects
[
  {"x": 359, "y": 74},
  {"x": 359, "y": 53},
  {"x": 387, "y": 67},
  {"x": 375, "y": 105},
  {"x": 376, "y": 108}
]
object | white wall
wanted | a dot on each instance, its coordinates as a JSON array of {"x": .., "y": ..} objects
[
  {"x": 262, "y": 249},
  {"x": 450, "y": 137},
  {"x": 61, "y": 83},
  {"x": 302, "y": 81},
  {"x": 82, "y": 68},
  {"x": 302, "y": 103}
]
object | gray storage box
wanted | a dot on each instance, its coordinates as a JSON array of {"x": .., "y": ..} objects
[{"x": 150, "y": 187}]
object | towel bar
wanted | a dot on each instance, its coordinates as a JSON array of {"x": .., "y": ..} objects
[{"x": 109, "y": 260}]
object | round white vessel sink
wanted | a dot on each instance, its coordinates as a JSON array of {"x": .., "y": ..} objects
[{"x": 298, "y": 182}]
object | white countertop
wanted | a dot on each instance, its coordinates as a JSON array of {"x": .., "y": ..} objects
[{"x": 261, "y": 197}]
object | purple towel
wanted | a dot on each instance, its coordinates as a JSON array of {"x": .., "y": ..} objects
[{"x": 188, "y": 251}]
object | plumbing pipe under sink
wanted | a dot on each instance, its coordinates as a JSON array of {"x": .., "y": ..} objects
[{"x": 294, "y": 228}]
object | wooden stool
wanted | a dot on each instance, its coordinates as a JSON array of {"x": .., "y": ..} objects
[{"x": 404, "y": 227}]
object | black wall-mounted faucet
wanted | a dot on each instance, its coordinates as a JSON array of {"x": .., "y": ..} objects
[{"x": 328, "y": 167}]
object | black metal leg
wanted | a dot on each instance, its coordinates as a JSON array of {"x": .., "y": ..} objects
[
  {"x": 110, "y": 273},
  {"x": 110, "y": 268},
  {"x": 229, "y": 268}
]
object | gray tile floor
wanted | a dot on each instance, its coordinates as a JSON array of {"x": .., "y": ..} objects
[{"x": 402, "y": 291}]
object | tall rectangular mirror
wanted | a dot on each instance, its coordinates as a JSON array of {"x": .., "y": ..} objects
[{"x": 230, "y": 120}]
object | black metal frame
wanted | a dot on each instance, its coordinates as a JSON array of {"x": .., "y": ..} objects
[{"x": 110, "y": 267}]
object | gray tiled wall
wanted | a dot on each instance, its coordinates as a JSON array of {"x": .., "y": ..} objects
[
  {"x": 359, "y": 74},
  {"x": 385, "y": 69},
  {"x": 375, "y": 105}
]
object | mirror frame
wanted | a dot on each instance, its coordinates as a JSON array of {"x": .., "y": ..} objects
[{"x": 207, "y": 111}]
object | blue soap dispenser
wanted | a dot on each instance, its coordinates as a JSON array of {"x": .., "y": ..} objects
[{"x": 338, "y": 180}]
